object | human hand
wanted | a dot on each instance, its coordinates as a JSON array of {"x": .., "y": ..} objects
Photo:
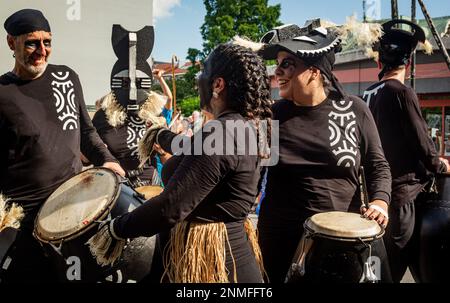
[
  {"x": 157, "y": 148},
  {"x": 378, "y": 211},
  {"x": 158, "y": 73},
  {"x": 447, "y": 165},
  {"x": 115, "y": 167}
]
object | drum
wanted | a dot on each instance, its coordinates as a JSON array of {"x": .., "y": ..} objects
[
  {"x": 432, "y": 234},
  {"x": 149, "y": 191},
  {"x": 340, "y": 247},
  {"x": 71, "y": 215}
]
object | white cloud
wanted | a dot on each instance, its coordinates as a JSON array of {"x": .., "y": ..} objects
[{"x": 162, "y": 8}]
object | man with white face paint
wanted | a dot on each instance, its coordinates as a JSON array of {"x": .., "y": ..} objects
[{"x": 44, "y": 126}]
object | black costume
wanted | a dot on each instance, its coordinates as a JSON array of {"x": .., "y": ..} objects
[
  {"x": 321, "y": 150},
  {"x": 216, "y": 188},
  {"x": 408, "y": 148},
  {"x": 317, "y": 173},
  {"x": 43, "y": 125},
  {"x": 123, "y": 141},
  {"x": 131, "y": 100}
]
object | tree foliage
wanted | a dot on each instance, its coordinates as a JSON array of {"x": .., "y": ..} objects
[
  {"x": 247, "y": 18},
  {"x": 223, "y": 20}
]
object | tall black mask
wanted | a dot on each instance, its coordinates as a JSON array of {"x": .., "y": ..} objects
[{"x": 131, "y": 76}]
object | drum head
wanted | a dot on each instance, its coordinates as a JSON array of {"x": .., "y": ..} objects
[
  {"x": 342, "y": 225},
  {"x": 76, "y": 204},
  {"x": 149, "y": 191}
]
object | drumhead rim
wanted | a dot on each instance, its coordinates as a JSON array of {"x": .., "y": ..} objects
[
  {"x": 101, "y": 215},
  {"x": 342, "y": 238},
  {"x": 309, "y": 224}
]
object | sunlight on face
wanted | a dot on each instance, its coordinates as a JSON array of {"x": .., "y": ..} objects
[{"x": 32, "y": 52}]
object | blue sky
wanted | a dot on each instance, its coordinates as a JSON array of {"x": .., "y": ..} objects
[{"x": 177, "y": 22}]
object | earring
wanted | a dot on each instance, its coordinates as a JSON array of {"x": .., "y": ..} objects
[
  {"x": 215, "y": 95},
  {"x": 14, "y": 55}
]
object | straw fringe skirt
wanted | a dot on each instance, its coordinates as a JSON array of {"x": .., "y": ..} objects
[{"x": 196, "y": 253}]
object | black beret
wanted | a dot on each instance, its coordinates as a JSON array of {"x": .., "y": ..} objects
[{"x": 26, "y": 21}]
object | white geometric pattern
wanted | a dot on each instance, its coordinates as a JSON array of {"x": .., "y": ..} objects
[
  {"x": 342, "y": 126},
  {"x": 136, "y": 130},
  {"x": 63, "y": 91}
]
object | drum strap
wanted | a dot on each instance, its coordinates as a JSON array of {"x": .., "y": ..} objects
[{"x": 303, "y": 248}]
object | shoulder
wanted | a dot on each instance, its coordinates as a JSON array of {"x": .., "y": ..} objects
[
  {"x": 358, "y": 106},
  {"x": 281, "y": 105},
  {"x": 396, "y": 87},
  {"x": 99, "y": 117},
  {"x": 61, "y": 71}
]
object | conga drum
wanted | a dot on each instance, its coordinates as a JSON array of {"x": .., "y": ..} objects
[
  {"x": 432, "y": 234},
  {"x": 71, "y": 215},
  {"x": 149, "y": 191},
  {"x": 340, "y": 247}
]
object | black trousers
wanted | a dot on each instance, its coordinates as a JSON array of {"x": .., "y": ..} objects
[{"x": 399, "y": 241}]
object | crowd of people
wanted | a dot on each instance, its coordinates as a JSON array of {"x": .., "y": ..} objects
[{"x": 327, "y": 138}]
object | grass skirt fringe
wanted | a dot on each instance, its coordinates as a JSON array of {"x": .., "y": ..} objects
[{"x": 196, "y": 253}]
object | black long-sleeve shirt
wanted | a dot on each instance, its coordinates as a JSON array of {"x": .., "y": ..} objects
[
  {"x": 321, "y": 150},
  {"x": 43, "y": 125},
  {"x": 404, "y": 136},
  {"x": 123, "y": 142},
  {"x": 205, "y": 188}
]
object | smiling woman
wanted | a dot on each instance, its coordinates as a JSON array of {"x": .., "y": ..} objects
[{"x": 325, "y": 137}]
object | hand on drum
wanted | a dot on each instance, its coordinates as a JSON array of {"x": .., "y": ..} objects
[
  {"x": 115, "y": 167},
  {"x": 447, "y": 165},
  {"x": 378, "y": 211}
]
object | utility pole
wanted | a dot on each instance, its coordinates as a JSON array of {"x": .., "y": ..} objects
[
  {"x": 413, "y": 57},
  {"x": 394, "y": 9},
  {"x": 436, "y": 36},
  {"x": 364, "y": 12},
  {"x": 174, "y": 85}
]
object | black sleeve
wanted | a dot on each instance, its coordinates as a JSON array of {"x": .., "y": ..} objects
[
  {"x": 376, "y": 167},
  {"x": 416, "y": 131},
  {"x": 166, "y": 137},
  {"x": 178, "y": 199},
  {"x": 91, "y": 145}
]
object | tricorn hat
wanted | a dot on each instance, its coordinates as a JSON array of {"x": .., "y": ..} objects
[{"x": 310, "y": 41}]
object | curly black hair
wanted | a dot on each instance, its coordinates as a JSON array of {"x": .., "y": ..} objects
[{"x": 247, "y": 82}]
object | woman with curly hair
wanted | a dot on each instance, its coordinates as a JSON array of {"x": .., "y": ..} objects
[{"x": 209, "y": 193}]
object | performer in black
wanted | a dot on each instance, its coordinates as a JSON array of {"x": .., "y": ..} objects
[
  {"x": 131, "y": 105},
  {"x": 408, "y": 148},
  {"x": 44, "y": 126},
  {"x": 209, "y": 195},
  {"x": 325, "y": 137}
]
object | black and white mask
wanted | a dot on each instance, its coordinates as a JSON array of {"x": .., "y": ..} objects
[{"x": 131, "y": 76}]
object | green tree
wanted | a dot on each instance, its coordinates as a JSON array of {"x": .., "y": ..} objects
[
  {"x": 188, "y": 105},
  {"x": 247, "y": 18},
  {"x": 223, "y": 20}
]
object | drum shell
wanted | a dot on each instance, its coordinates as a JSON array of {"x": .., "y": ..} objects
[
  {"x": 341, "y": 260},
  {"x": 134, "y": 264},
  {"x": 432, "y": 234}
]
